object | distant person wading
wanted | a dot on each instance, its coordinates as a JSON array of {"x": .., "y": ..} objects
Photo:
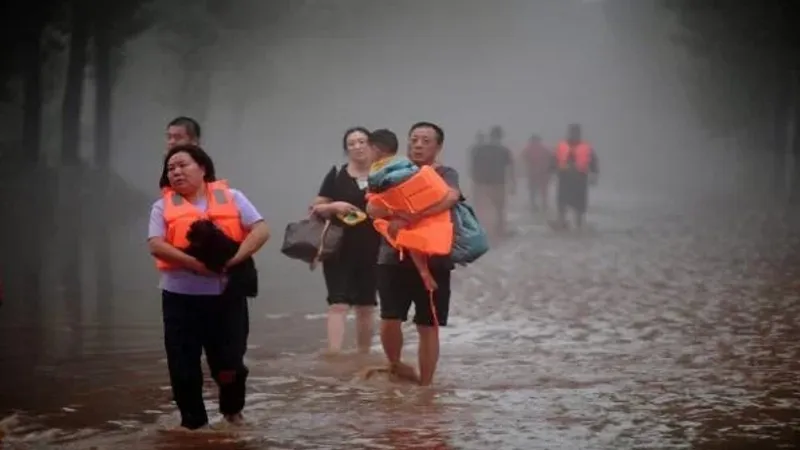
[
  {"x": 537, "y": 161},
  {"x": 492, "y": 165},
  {"x": 350, "y": 275},
  {"x": 201, "y": 309},
  {"x": 577, "y": 167}
]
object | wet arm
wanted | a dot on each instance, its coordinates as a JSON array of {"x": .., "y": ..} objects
[
  {"x": 258, "y": 236},
  {"x": 326, "y": 193},
  {"x": 160, "y": 249},
  {"x": 450, "y": 200},
  {"x": 593, "y": 164},
  {"x": 258, "y": 231},
  {"x": 377, "y": 212}
]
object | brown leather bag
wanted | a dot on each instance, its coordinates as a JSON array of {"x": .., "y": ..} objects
[{"x": 312, "y": 240}]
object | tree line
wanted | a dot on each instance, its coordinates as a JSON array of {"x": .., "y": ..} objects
[
  {"x": 54, "y": 50},
  {"x": 744, "y": 82}
]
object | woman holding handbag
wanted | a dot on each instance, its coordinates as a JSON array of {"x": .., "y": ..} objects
[{"x": 350, "y": 274}]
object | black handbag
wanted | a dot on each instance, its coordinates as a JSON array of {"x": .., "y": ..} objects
[{"x": 312, "y": 240}]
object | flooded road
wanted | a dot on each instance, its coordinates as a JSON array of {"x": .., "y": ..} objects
[{"x": 667, "y": 325}]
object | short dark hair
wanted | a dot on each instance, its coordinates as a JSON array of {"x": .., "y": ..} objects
[
  {"x": 190, "y": 125},
  {"x": 350, "y": 131},
  {"x": 436, "y": 128},
  {"x": 496, "y": 132},
  {"x": 197, "y": 154},
  {"x": 385, "y": 140}
]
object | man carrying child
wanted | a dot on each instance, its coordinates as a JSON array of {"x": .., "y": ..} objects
[{"x": 399, "y": 282}]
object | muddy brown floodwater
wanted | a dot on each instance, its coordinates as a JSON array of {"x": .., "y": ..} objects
[{"x": 667, "y": 325}]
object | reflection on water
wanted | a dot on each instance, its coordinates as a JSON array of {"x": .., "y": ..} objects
[{"x": 661, "y": 328}]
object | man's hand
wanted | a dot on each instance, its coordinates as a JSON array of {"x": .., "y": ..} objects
[{"x": 377, "y": 212}]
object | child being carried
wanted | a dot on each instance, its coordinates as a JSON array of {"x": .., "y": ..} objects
[{"x": 403, "y": 192}]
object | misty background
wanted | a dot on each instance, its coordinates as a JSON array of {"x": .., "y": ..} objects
[{"x": 274, "y": 85}]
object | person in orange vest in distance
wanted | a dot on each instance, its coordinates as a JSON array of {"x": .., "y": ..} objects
[{"x": 576, "y": 166}]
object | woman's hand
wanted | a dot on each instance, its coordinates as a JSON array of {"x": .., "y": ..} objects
[
  {"x": 320, "y": 209},
  {"x": 199, "y": 268},
  {"x": 343, "y": 208},
  {"x": 330, "y": 209}
]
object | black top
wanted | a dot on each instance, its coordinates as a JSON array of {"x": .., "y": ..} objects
[
  {"x": 490, "y": 163},
  {"x": 359, "y": 240}
]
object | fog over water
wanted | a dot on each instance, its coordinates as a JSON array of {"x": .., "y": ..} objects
[{"x": 667, "y": 324}]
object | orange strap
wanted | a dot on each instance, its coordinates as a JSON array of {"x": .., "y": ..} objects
[
  {"x": 432, "y": 305},
  {"x": 433, "y": 311}
]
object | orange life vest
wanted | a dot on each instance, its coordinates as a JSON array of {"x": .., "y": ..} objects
[
  {"x": 581, "y": 152},
  {"x": 179, "y": 214},
  {"x": 432, "y": 235}
]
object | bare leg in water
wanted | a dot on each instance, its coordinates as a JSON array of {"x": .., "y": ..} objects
[
  {"x": 365, "y": 326},
  {"x": 337, "y": 317},
  {"x": 392, "y": 340},
  {"x": 428, "y": 353}
]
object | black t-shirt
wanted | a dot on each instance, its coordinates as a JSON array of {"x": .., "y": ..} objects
[
  {"x": 359, "y": 240},
  {"x": 490, "y": 163}
]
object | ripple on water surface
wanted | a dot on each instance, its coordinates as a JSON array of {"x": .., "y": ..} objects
[{"x": 666, "y": 331}]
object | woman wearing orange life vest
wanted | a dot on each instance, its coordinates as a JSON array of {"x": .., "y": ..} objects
[
  {"x": 199, "y": 314},
  {"x": 575, "y": 162}
]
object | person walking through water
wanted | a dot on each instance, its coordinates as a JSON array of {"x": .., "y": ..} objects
[
  {"x": 537, "y": 161},
  {"x": 199, "y": 312},
  {"x": 576, "y": 165},
  {"x": 350, "y": 275},
  {"x": 399, "y": 282},
  {"x": 180, "y": 131},
  {"x": 492, "y": 170}
]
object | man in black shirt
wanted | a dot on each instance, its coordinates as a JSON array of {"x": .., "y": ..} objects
[{"x": 492, "y": 173}]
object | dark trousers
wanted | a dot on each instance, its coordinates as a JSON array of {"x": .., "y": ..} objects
[
  {"x": 537, "y": 191},
  {"x": 220, "y": 326}
]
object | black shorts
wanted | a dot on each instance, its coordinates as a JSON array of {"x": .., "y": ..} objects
[
  {"x": 349, "y": 282},
  {"x": 400, "y": 285},
  {"x": 573, "y": 191}
]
